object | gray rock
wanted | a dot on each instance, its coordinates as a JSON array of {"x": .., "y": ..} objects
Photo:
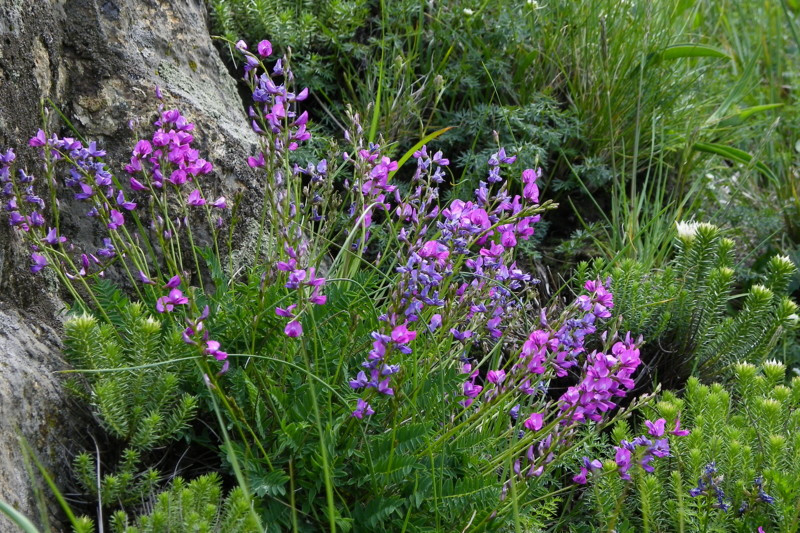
[{"x": 98, "y": 61}]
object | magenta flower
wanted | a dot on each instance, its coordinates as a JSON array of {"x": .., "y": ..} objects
[
  {"x": 678, "y": 432},
  {"x": 293, "y": 329},
  {"x": 401, "y": 334},
  {"x": 212, "y": 348},
  {"x": 656, "y": 428},
  {"x": 143, "y": 148},
  {"x": 136, "y": 185},
  {"x": 496, "y": 376},
  {"x": 534, "y": 422},
  {"x": 316, "y": 298},
  {"x": 195, "y": 198},
  {"x": 530, "y": 191},
  {"x": 286, "y": 313},
  {"x": 264, "y": 48},
  {"x": 168, "y": 303},
  {"x": 173, "y": 282}
]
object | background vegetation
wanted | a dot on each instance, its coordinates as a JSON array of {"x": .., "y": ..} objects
[{"x": 666, "y": 133}]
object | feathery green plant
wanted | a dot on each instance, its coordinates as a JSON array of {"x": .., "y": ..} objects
[
  {"x": 198, "y": 505},
  {"x": 735, "y": 472},
  {"x": 136, "y": 403},
  {"x": 687, "y": 310}
]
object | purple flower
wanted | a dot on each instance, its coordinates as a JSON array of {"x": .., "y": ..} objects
[
  {"x": 52, "y": 237},
  {"x": 656, "y": 428},
  {"x": 168, "y": 303},
  {"x": 173, "y": 282},
  {"x": 361, "y": 381},
  {"x": 219, "y": 203},
  {"x": 363, "y": 408},
  {"x": 129, "y": 206},
  {"x": 195, "y": 198},
  {"x": 623, "y": 460},
  {"x": 264, "y": 48},
  {"x": 117, "y": 219},
  {"x": 144, "y": 279},
  {"x": 39, "y": 140},
  {"x": 383, "y": 387},
  {"x": 534, "y": 422},
  {"x": 39, "y": 262},
  {"x": 293, "y": 329}
]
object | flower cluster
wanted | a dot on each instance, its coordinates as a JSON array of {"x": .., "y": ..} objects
[
  {"x": 605, "y": 376},
  {"x": 709, "y": 484},
  {"x": 11, "y": 197},
  {"x": 756, "y": 496},
  {"x": 24, "y": 214},
  {"x": 640, "y": 450},
  {"x": 298, "y": 278},
  {"x": 274, "y": 116},
  {"x": 370, "y": 188},
  {"x": 196, "y": 334},
  {"x": 472, "y": 239},
  {"x": 168, "y": 157}
]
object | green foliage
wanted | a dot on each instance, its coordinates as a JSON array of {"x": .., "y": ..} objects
[
  {"x": 129, "y": 485},
  {"x": 194, "y": 506},
  {"x": 688, "y": 313},
  {"x": 747, "y": 432},
  {"x": 141, "y": 404},
  {"x": 384, "y": 479}
]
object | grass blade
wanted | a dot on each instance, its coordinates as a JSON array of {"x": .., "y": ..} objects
[{"x": 18, "y": 518}]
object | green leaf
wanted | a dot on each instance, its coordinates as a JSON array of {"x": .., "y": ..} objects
[
  {"x": 425, "y": 140},
  {"x": 734, "y": 154},
  {"x": 744, "y": 114},
  {"x": 676, "y": 51},
  {"x": 18, "y": 518}
]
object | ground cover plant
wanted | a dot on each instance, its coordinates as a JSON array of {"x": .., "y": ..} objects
[{"x": 379, "y": 353}]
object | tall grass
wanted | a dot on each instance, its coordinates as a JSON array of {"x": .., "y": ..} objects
[{"x": 661, "y": 91}]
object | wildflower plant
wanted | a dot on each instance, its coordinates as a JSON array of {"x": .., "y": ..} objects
[
  {"x": 381, "y": 361},
  {"x": 732, "y": 462},
  {"x": 689, "y": 312}
]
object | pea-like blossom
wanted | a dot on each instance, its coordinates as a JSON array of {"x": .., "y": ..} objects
[
  {"x": 293, "y": 329},
  {"x": 167, "y": 303},
  {"x": 264, "y": 48}
]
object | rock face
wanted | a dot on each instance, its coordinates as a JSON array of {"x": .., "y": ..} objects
[{"x": 98, "y": 61}]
